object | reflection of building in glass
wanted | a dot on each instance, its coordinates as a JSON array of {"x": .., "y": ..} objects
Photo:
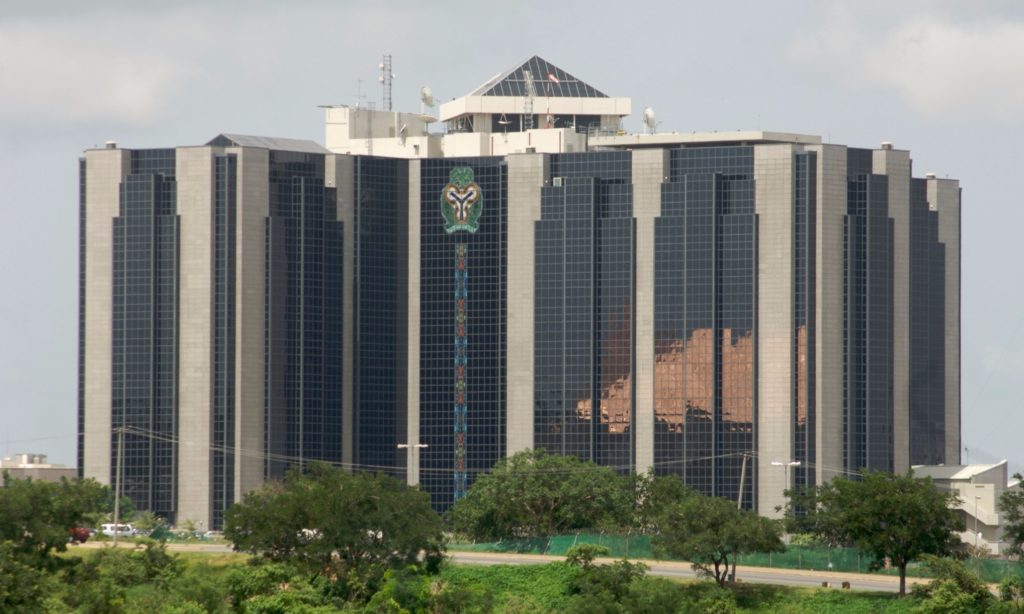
[{"x": 738, "y": 309}]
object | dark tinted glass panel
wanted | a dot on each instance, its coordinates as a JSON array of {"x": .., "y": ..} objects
[
  {"x": 867, "y": 330},
  {"x": 583, "y": 318},
  {"x": 927, "y": 332},
  {"x": 303, "y": 395},
  {"x": 144, "y": 350},
  {"x": 462, "y": 329},
  {"x": 705, "y": 307},
  {"x": 381, "y": 214}
]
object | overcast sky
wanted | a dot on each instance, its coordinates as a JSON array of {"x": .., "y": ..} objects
[{"x": 943, "y": 79}]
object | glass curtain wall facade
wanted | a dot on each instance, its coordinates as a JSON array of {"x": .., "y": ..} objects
[
  {"x": 381, "y": 216},
  {"x": 303, "y": 351},
  {"x": 463, "y": 280},
  {"x": 80, "y": 451},
  {"x": 144, "y": 331},
  {"x": 804, "y": 293},
  {"x": 583, "y": 315},
  {"x": 705, "y": 275},
  {"x": 222, "y": 454},
  {"x": 927, "y": 331},
  {"x": 868, "y": 315}
]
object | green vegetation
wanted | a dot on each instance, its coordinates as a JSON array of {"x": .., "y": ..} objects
[
  {"x": 891, "y": 517},
  {"x": 35, "y": 516},
  {"x": 1011, "y": 505},
  {"x": 323, "y": 540},
  {"x": 535, "y": 493},
  {"x": 711, "y": 533},
  {"x": 330, "y": 523}
]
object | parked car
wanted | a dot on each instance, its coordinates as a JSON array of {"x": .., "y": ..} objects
[{"x": 121, "y": 530}]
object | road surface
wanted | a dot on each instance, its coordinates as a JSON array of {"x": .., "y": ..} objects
[
  {"x": 666, "y": 569},
  {"x": 676, "y": 569}
]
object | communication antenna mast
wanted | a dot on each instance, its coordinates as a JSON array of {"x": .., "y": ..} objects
[
  {"x": 528, "y": 102},
  {"x": 386, "y": 76}
]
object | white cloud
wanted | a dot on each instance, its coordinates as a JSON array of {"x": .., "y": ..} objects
[{"x": 941, "y": 67}]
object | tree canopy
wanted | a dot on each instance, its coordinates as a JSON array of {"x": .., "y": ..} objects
[
  {"x": 534, "y": 493},
  {"x": 328, "y": 521},
  {"x": 894, "y": 517},
  {"x": 1011, "y": 505},
  {"x": 710, "y": 532},
  {"x": 35, "y": 516}
]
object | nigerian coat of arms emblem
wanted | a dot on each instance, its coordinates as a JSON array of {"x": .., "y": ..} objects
[{"x": 461, "y": 201}]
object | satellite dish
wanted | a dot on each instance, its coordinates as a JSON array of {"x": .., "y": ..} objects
[
  {"x": 650, "y": 120},
  {"x": 427, "y": 96}
]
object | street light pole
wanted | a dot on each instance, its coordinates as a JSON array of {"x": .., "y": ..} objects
[
  {"x": 411, "y": 459},
  {"x": 786, "y": 466}
]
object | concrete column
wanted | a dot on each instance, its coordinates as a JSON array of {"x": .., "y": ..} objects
[
  {"x": 650, "y": 167},
  {"x": 944, "y": 197},
  {"x": 105, "y": 169},
  {"x": 195, "y": 331},
  {"x": 339, "y": 171},
  {"x": 773, "y": 174},
  {"x": 527, "y": 173},
  {"x": 413, "y": 324},
  {"x": 896, "y": 165},
  {"x": 251, "y": 211},
  {"x": 831, "y": 197}
]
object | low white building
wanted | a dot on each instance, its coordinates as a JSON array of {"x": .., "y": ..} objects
[
  {"x": 979, "y": 488},
  {"x": 27, "y": 465}
]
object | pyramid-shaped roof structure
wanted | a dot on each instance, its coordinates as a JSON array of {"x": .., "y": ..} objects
[{"x": 549, "y": 80}]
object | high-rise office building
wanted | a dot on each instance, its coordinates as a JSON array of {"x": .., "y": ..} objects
[{"x": 746, "y": 310}]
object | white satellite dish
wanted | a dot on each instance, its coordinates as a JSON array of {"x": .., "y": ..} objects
[
  {"x": 427, "y": 96},
  {"x": 650, "y": 120}
]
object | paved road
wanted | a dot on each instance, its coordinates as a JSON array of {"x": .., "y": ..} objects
[
  {"x": 674, "y": 569},
  {"x": 667, "y": 569}
]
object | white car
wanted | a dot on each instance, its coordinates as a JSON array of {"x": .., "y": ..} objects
[{"x": 121, "y": 530}]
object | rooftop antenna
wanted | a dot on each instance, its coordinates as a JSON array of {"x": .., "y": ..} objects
[
  {"x": 386, "y": 77},
  {"x": 650, "y": 120},
  {"x": 528, "y": 101}
]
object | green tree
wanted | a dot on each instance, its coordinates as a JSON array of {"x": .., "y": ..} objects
[
  {"x": 22, "y": 587},
  {"x": 894, "y": 517},
  {"x": 654, "y": 496},
  {"x": 35, "y": 516},
  {"x": 952, "y": 582},
  {"x": 330, "y": 522},
  {"x": 1011, "y": 505},
  {"x": 534, "y": 493},
  {"x": 711, "y": 532},
  {"x": 1011, "y": 592}
]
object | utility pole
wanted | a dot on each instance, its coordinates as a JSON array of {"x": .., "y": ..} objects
[
  {"x": 117, "y": 482},
  {"x": 743, "y": 476}
]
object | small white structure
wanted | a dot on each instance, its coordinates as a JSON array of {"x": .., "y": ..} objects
[{"x": 979, "y": 488}]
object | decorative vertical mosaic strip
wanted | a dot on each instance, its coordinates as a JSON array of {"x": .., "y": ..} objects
[{"x": 461, "y": 286}]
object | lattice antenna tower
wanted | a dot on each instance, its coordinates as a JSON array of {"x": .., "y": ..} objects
[
  {"x": 528, "y": 101},
  {"x": 386, "y": 77}
]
